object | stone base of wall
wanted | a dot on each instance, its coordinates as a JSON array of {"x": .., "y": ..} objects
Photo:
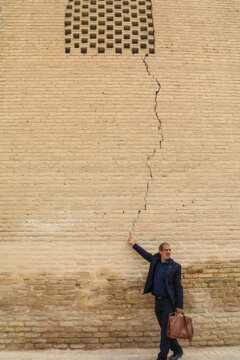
[{"x": 108, "y": 310}]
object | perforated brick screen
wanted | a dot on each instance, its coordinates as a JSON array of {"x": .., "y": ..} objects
[{"x": 101, "y": 26}]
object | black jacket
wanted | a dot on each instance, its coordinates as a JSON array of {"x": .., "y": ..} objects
[{"x": 173, "y": 277}]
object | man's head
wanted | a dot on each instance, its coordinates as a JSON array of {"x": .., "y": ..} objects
[{"x": 164, "y": 251}]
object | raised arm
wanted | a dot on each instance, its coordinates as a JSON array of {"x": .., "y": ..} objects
[{"x": 146, "y": 255}]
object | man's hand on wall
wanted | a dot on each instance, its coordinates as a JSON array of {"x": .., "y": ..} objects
[{"x": 131, "y": 241}]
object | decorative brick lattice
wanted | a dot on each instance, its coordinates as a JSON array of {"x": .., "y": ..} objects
[{"x": 101, "y": 26}]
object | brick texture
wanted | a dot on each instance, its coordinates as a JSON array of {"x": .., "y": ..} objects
[{"x": 97, "y": 145}]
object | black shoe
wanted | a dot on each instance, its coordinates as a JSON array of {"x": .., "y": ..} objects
[{"x": 176, "y": 356}]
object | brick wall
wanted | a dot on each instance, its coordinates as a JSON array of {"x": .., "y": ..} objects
[
  {"x": 108, "y": 310},
  {"x": 95, "y": 146}
]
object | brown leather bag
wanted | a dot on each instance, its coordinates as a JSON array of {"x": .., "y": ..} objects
[{"x": 179, "y": 326}]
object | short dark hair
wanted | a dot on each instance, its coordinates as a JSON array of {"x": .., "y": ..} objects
[{"x": 161, "y": 246}]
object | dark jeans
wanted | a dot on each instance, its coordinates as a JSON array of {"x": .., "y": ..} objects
[{"x": 163, "y": 307}]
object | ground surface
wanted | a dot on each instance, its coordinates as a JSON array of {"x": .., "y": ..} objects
[{"x": 210, "y": 353}]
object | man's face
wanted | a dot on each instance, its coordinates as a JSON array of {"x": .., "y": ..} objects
[{"x": 165, "y": 253}]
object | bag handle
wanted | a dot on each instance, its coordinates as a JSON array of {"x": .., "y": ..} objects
[{"x": 172, "y": 314}]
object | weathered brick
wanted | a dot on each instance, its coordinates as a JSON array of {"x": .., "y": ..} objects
[{"x": 95, "y": 147}]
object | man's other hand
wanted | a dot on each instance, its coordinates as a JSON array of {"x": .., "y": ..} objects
[
  {"x": 179, "y": 311},
  {"x": 131, "y": 241}
]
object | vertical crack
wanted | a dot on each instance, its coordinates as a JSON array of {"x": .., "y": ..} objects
[
  {"x": 156, "y": 99},
  {"x": 149, "y": 158}
]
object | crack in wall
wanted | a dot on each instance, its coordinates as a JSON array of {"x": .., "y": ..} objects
[
  {"x": 149, "y": 158},
  {"x": 156, "y": 99}
]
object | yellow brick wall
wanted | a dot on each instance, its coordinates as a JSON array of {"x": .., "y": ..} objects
[{"x": 95, "y": 146}]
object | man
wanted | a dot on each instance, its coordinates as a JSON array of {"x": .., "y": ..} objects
[{"x": 164, "y": 282}]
